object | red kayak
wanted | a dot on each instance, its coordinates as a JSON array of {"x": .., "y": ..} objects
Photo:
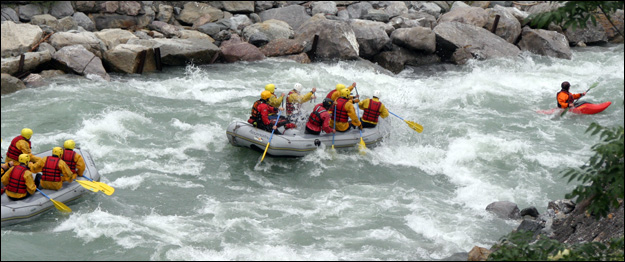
[{"x": 585, "y": 109}]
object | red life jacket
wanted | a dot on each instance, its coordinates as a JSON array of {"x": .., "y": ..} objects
[
  {"x": 371, "y": 114},
  {"x": 290, "y": 107},
  {"x": 256, "y": 117},
  {"x": 568, "y": 101},
  {"x": 17, "y": 183},
  {"x": 68, "y": 157},
  {"x": 13, "y": 152},
  {"x": 315, "y": 116},
  {"x": 330, "y": 94},
  {"x": 51, "y": 171},
  {"x": 341, "y": 113}
]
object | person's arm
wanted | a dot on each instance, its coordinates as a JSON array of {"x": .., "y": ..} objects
[
  {"x": 6, "y": 176},
  {"x": 80, "y": 164},
  {"x": 38, "y": 166},
  {"x": 351, "y": 112},
  {"x": 364, "y": 104},
  {"x": 307, "y": 97},
  {"x": 326, "y": 123},
  {"x": 30, "y": 182},
  {"x": 383, "y": 111},
  {"x": 68, "y": 175},
  {"x": 23, "y": 146},
  {"x": 577, "y": 96}
]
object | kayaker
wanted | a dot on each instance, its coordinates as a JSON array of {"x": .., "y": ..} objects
[
  {"x": 74, "y": 161},
  {"x": 373, "y": 109},
  {"x": 260, "y": 115},
  {"x": 18, "y": 180},
  {"x": 21, "y": 145},
  {"x": 565, "y": 98},
  {"x": 344, "y": 109},
  {"x": 320, "y": 118},
  {"x": 295, "y": 99},
  {"x": 55, "y": 170}
]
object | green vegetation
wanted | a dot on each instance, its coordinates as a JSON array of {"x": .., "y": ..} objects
[
  {"x": 517, "y": 247},
  {"x": 574, "y": 14},
  {"x": 604, "y": 171}
]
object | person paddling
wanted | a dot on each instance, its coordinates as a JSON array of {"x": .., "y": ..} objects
[{"x": 565, "y": 98}]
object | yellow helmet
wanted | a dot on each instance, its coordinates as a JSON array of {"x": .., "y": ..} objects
[
  {"x": 57, "y": 151},
  {"x": 27, "y": 133},
  {"x": 24, "y": 158},
  {"x": 345, "y": 92},
  {"x": 270, "y": 87},
  {"x": 69, "y": 144},
  {"x": 339, "y": 87},
  {"x": 265, "y": 95}
]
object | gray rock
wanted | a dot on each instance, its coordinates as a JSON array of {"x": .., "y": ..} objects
[
  {"x": 10, "y": 84},
  {"x": 27, "y": 12},
  {"x": 77, "y": 59},
  {"x": 61, "y": 9},
  {"x": 8, "y": 14},
  {"x": 504, "y": 209},
  {"x": 293, "y": 15},
  {"x": 530, "y": 211},
  {"x": 544, "y": 42},
  {"x": 84, "y": 21}
]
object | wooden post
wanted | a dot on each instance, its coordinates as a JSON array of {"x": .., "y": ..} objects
[
  {"x": 141, "y": 61},
  {"x": 494, "y": 29},
  {"x": 157, "y": 59},
  {"x": 20, "y": 68}
]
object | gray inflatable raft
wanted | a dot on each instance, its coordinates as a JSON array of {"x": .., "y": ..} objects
[
  {"x": 295, "y": 143},
  {"x": 14, "y": 212}
]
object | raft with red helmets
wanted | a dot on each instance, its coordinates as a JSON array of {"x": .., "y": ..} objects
[
  {"x": 295, "y": 143},
  {"x": 584, "y": 109},
  {"x": 14, "y": 212}
]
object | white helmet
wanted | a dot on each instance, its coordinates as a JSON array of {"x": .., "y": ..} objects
[
  {"x": 298, "y": 87},
  {"x": 376, "y": 93}
]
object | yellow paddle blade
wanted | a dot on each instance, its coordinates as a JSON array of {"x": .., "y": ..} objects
[
  {"x": 267, "y": 147},
  {"x": 414, "y": 126},
  {"x": 89, "y": 185},
  {"x": 362, "y": 146},
  {"x": 60, "y": 206},
  {"x": 106, "y": 189}
]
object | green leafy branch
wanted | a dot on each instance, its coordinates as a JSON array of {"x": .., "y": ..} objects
[{"x": 575, "y": 14}]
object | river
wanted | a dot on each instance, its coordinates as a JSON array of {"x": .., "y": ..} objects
[{"x": 184, "y": 193}]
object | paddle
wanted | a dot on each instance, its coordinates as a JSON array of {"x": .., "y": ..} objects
[
  {"x": 361, "y": 146},
  {"x": 89, "y": 185},
  {"x": 106, "y": 189},
  {"x": 591, "y": 87},
  {"x": 411, "y": 124},
  {"x": 271, "y": 137},
  {"x": 60, "y": 206}
]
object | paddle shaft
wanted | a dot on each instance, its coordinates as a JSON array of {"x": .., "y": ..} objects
[
  {"x": 396, "y": 115},
  {"x": 44, "y": 194}
]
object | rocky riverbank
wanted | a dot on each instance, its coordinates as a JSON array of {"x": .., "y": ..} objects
[{"x": 93, "y": 38}]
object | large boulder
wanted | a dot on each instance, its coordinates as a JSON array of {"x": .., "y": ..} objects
[
  {"x": 508, "y": 26},
  {"x": 273, "y": 29},
  {"x": 469, "y": 15},
  {"x": 294, "y": 15},
  {"x": 19, "y": 38},
  {"x": 125, "y": 58},
  {"x": 32, "y": 60},
  {"x": 544, "y": 42},
  {"x": 235, "y": 50},
  {"x": 417, "y": 39},
  {"x": 180, "y": 52},
  {"x": 372, "y": 37},
  {"x": 114, "y": 37},
  {"x": 194, "y": 10},
  {"x": 504, "y": 209},
  {"x": 591, "y": 34},
  {"x": 283, "y": 47},
  {"x": 476, "y": 41},
  {"x": 77, "y": 59},
  {"x": 87, "y": 39},
  {"x": 10, "y": 84},
  {"x": 337, "y": 39}
]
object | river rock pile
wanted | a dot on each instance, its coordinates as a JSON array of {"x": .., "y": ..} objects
[{"x": 93, "y": 38}]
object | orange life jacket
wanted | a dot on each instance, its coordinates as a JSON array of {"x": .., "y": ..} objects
[
  {"x": 568, "y": 100},
  {"x": 13, "y": 152}
]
